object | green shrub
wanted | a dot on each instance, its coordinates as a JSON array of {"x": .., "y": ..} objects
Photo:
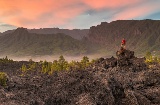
[
  {"x": 32, "y": 66},
  {"x": 24, "y": 68},
  {"x": 150, "y": 58},
  {"x": 3, "y": 79}
]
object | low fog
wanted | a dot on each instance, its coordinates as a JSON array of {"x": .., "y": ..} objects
[
  {"x": 68, "y": 58},
  {"x": 51, "y": 58}
]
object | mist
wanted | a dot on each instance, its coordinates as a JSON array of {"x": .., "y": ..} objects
[{"x": 51, "y": 58}]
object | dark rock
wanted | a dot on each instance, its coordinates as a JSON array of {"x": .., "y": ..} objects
[
  {"x": 109, "y": 81},
  {"x": 117, "y": 90},
  {"x": 125, "y": 54}
]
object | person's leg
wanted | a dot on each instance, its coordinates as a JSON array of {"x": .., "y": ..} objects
[
  {"x": 121, "y": 45},
  {"x": 124, "y": 46}
]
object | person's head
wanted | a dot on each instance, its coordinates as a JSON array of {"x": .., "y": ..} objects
[{"x": 123, "y": 38}]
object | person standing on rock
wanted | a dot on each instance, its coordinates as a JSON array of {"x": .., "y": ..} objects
[{"x": 123, "y": 43}]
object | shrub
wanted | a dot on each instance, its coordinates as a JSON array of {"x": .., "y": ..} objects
[
  {"x": 24, "y": 68},
  {"x": 151, "y": 59},
  {"x": 32, "y": 66},
  {"x": 3, "y": 79}
]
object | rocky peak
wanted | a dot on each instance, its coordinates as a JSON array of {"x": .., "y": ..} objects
[
  {"x": 137, "y": 33},
  {"x": 20, "y": 31},
  {"x": 20, "y": 34},
  {"x": 125, "y": 54}
]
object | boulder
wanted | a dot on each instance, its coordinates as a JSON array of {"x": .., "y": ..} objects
[
  {"x": 124, "y": 57},
  {"x": 125, "y": 54}
]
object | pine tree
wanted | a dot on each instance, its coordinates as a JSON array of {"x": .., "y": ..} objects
[
  {"x": 85, "y": 62},
  {"x": 63, "y": 64}
]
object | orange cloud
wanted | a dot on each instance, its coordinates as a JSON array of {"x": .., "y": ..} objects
[
  {"x": 31, "y": 13},
  {"x": 52, "y": 13}
]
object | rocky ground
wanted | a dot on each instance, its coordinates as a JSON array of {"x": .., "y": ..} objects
[{"x": 109, "y": 81}]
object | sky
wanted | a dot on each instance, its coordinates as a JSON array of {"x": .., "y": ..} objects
[{"x": 73, "y": 14}]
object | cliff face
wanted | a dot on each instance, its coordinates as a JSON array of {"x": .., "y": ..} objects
[{"x": 141, "y": 35}]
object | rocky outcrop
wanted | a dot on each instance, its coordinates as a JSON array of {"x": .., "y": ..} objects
[{"x": 124, "y": 58}]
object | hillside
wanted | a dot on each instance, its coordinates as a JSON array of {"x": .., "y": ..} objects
[
  {"x": 21, "y": 42},
  {"x": 141, "y": 35}
]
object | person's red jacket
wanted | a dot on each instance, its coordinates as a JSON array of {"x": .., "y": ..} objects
[{"x": 123, "y": 41}]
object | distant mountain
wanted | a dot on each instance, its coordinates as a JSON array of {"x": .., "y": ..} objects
[
  {"x": 141, "y": 35},
  {"x": 105, "y": 39},
  {"x": 21, "y": 42},
  {"x": 74, "y": 33},
  {"x": 7, "y": 32}
]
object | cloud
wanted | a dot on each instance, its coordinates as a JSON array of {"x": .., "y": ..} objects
[
  {"x": 111, "y": 4},
  {"x": 32, "y": 13},
  {"x": 4, "y": 27},
  {"x": 89, "y": 18},
  {"x": 140, "y": 11},
  {"x": 72, "y": 13},
  {"x": 155, "y": 16}
]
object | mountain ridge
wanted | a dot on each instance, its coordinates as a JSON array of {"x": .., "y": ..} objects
[
  {"x": 74, "y": 33},
  {"x": 141, "y": 35},
  {"x": 21, "y": 42}
]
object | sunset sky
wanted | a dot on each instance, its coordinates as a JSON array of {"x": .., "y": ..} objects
[{"x": 79, "y": 14}]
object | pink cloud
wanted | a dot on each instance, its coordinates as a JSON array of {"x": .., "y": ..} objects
[
  {"x": 47, "y": 13},
  {"x": 138, "y": 11},
  {"x": 29, "y": 13},
  {"x": 109, "y": 3}
]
